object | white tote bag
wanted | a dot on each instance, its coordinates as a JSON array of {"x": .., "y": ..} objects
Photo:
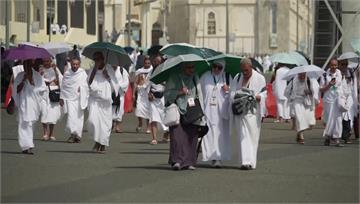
[{"x": 171, "y": 115}]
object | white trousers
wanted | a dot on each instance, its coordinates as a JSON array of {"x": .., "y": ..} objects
[
  {"x": 283, "y": 109},
  {"x": 26, "y": 134},
  {"x": 75, "y": 118}
]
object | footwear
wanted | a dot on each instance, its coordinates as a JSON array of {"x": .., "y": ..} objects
[
  {"x": 118, "y": 131},
  {"x": 138, "y": 129},
  {"x": 148, "y": 131},
  {"x": 327, "y": 142},
  {"x": 153, "y": 142},
  {"x": 176, "y": 166},
  {"x": 300, "y": 141},
  {"x": 77, "y": 139},
  {"x": 217, "y": 164},
  {"x": 28, "y": 151},
  {"x": 96, "y": 147},
  {"x": 71, "y": 139},
  {"x": 191, "y": 168},
  {"x": 101, "y": 149},
  {"x": 246, "y": 167},
  {"x": 45, "y": 138},
  {"x": 52, "y": 138},
  {"x": 277, "y": 121},
  {"x": 339, "y": 145},
  {"x": 347, "y": 141}
]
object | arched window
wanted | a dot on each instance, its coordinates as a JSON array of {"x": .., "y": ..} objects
[{"x": 211, "y": 24}]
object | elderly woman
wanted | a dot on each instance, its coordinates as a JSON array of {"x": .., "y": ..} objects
[
  {"x": 184, "y": 90},
  {"x": 247, "y": 122},
  {"x": 302, "y": 94},
  {"x": 216, "y": 145}
]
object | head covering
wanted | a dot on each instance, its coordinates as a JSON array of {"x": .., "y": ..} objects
[
  {"x": 220, "y": 62},
  {"x": 245, "y": 61}
]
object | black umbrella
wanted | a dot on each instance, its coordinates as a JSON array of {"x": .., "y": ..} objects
[
  {"x": 304, "y": 55},
  {"x": 154, "y": 50},
  {"x": 256, "y": 65}
]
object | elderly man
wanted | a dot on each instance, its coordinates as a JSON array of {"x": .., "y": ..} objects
[
  {"x": 247, "y": 122},
  {"x": 100, "y": 108},
  {"x": 74, "y": 96},
  {"x": 29, "y": 91}
]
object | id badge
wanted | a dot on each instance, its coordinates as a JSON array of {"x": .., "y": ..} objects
[
  {"x": 213, "y": 101},
  {"x": 191, "y": 102}
]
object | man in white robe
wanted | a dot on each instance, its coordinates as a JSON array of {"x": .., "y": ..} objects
[
  {"x": 29, "y": 91},
  {"x": 283, "y": 109},
  {"x": 118, "y": 111},
  {"x": 100, "y": 108},
  {"x": 142, "y": 82},
  {"x": 74, "y": 96},
  {"x": 216, "y": 144},
  {"x": 302, "y": 94},
  {"x": 248, "y": 125}
]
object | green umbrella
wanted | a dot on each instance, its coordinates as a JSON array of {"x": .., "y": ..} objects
[
  {"x": 176, "y": 49},
  {"x": 114, "y": 55},
  {"x": 301, "y": 60},
  {"x": 284, "y": 58},
  {"x": 355, "y": 43},
  {"x": 174, "y": 64},
  {"x": 232, "y": 63}
]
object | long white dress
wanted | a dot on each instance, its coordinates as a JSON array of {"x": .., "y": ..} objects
[
  {"x": 282, "y": 105},
  {"x": 123, "y": 84},
  {"x": 304, "y": 112},
  {"x": 53, "y": 112},
  {"x": 247, "y": 126},
  {"x": 28, "y": 103},
  {"x": 216, "y": 144},
  {"x": 157, "y": 106},
  {"x": 75, "y": 93},
  {"x": 330, "y": 96},
  {"x": 142, "y": 103},
  {"x": 100, "y": 108}
]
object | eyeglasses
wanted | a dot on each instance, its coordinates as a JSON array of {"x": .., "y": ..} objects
[{"x": 217, "y": 67}]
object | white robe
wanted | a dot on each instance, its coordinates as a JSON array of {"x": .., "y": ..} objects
[
  {"x": 157, "y": 106},
  {"x": 100, "y": 110},
  {"x": 216, "y": 144},
  {"x": 28, "y": 103},
  {"x": 53, "y": 112},
  {"x": 248, "y": 126},
  {"x": 330, "y": 96},
  {"x": 74, "y": 91},
  {"x": 304, "y": 114},
  {"x": 282, "y": 105},
  {"x": 123, "y": 83},
  {"x": 142, "y": 103}
]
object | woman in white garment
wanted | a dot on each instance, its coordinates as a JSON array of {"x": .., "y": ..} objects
[
  {"x": 283, "y": 109},
  {"x": 118, "y": 100},
  {"x": 247, "y": 123},
  {"x": 53, "y": 79},
  {"x": 142, "y": 83},
  {"x": 302, "y": 94},
  {"x": 157, "y": 105},
  {"x": 29, "y": 91},
  {"x": 100, "y": 108},
  {"x": 216, "y": 144}
]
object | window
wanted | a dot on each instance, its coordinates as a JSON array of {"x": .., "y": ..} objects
[
  {"x": 77, "y": 14},
  {"x": 20, "y": 11},
  {"x": 91, "y": 17},
  {"x": 273, "y": 16},
  {"x": 62, "y": 13},
  {"x": 211, "y": 24}
]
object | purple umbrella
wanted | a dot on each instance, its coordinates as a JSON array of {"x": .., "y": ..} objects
[{"x": 25, "y": 52}]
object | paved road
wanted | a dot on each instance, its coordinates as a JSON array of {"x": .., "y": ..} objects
[{"x": 134, "y": 171}]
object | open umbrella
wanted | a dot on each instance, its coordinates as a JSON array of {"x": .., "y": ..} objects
[
  {"x": 301, "y": 60},
  {"x": 129, "y": 49},
  {"x": 25, "y": 52},
  {"x": 154, "y": 50},
  {"x": 113, "y": 54},
  {"x": 355, "y": 44},
  {"x": 55, "y": 48},
  {"x": 174, "y": 64},
  {"x": 352, "y": 56},
  {"x": 284, "y": 58},
  {"x": 176, "y": 49},
  {"x": 312, "y": 71},
  {"x": 256, "y": 65},
  {"x": 232, "y": 63}
]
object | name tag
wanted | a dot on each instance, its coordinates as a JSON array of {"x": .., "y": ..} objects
[
  {"x": 213, "y": 101},
  {"x": 191, "y": 102}
]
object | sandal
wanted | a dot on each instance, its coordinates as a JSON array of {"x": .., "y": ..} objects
[
  {"x": 45, "y": 138},
  {"x": 153, "y": 142},
  {"x": 339, "y": 145},
  {"x": 300, "y": 141},
  {"x": 52, "y": 138},
  {"x": 101, "y": 149}
]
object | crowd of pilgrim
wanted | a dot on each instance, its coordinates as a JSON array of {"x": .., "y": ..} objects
[{"x": 100, "y": 91}]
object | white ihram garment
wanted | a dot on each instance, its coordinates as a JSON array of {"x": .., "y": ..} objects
[
  {"x": 330, "y": 96},
  {"x": 100, "y": 110},
  {"x": 282, "y": 105},
  {"x": 123, "y": 79},
  {"x": 75, "y": 93},
  {"x": 157, "y": 106},
  {"x": 247, "y": 126},
  {"x": 216, "y": 144},
  {"x": 142, "y": 103},
  {"x": 28, "y": 103}
]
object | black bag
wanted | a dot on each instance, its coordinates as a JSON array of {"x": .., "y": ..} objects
[
  {"x": 54, "y": 95},
  {"x": 157, "y": 94},
  {"x": 115, "y": 99},
  {"x": 193, "y": 113},
  {"x": 10, "y": 109},
  {"x": 202, "y": 130}
]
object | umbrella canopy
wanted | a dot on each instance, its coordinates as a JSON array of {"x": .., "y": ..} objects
[
  {"x": 162, "y": 72},
  {"x": 232, "y": 63},
  {"x": 304, "y": 55},
  {"x": 284, "y": 58},
  {"x": 113, "y": 54},
  {"x": 311, "y": 71},
  {"x": 154, "y": 50},
  {"x": 301, "y": 60},
  {"x": 349, "y": 56},
  {"x": 129, "y": 50},
  {"x": 355, "y": 44},
  {"x": 55, "y": 48},
  {"x": 256, "y": 65},
  {"x": 184, "y": 48},
  {"x": 25, "y": 52}
]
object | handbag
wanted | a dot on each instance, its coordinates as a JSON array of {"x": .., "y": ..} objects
[
  {"x": 202, "y": 130},
  {"x": 115, "y": 99},
  {"x": 193, "y": 113},
  {"x": 343, "y": 104},
  {"x": 10, "y": 109},
  {"x": 171, "y": 115},
  {"x": 54, "y": 95}
]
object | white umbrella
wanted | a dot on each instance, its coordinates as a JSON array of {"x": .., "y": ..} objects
[
  {"x": 55, "y": 48},
  {"x": 312, "y": 71},
  {"x": 284, "y": 58},
  {"x": 349, "y": 56}
]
